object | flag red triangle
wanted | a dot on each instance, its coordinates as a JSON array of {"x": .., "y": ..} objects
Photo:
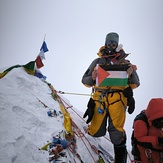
[
  {"x": 102, "y": 74},
  {"x": 39, "y": 63}
]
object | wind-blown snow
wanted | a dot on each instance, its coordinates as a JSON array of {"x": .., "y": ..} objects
[{"x": 25, "y": 126}]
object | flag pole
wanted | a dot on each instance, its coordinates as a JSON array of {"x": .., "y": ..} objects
[
  {"x": 42, "y": 43},
  {"x": 40, "y": 56},
  {"x": 44, "y": 37}
]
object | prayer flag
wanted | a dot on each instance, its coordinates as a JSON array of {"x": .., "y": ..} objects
[
  {"x": 43, "y": 50},
  {"x": 39, "y": 63},
  {"x": 44, "y": 47},
  {"x": 29, "y": 67}
]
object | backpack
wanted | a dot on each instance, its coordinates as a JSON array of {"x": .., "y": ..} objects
[{"x": 135, "y": 151}]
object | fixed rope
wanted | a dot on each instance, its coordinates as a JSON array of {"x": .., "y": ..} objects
[
  {"x": 79, "y": 133},
  {"x": 80, "y": 94},
  {"x": 68, "y": 106}
]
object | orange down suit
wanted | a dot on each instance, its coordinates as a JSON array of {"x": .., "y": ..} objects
[{"x": 149, "y": 135}]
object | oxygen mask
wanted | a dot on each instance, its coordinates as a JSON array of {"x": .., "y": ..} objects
[{"x": 110, "y": 48}]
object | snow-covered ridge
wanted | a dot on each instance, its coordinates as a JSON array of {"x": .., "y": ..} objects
[{"x": 25, "y": 126}]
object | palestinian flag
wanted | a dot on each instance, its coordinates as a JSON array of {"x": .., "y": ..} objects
[{"x": 112, "y": 75}]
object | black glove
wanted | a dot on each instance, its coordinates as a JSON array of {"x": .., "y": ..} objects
[
  {"x": 160, "y": 141},
  {"x": 128, "y": 93},
  {"x": 131, "y": 105},
  {"x": 90, "y": 110}
]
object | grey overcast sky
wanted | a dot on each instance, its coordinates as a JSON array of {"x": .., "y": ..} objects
[{"x": 75, "y": 30}]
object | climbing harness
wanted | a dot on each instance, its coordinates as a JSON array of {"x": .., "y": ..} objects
[{"x": 104, "y": 94}]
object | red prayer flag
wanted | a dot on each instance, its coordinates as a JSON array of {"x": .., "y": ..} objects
[{"x": 39, "y": 63}]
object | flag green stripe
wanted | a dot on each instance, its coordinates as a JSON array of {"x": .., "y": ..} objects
[{"x": 114, "y": 82}]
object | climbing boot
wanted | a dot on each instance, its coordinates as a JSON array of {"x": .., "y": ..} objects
[{"x": 120, "y": 154}]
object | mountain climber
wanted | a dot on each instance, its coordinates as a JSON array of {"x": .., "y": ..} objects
[
  {"x": 111, "y": 97},
  {"x": 149, "y": 134}
]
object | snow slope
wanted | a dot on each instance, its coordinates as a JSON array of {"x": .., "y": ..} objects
[{"x": 25, "y": 126}]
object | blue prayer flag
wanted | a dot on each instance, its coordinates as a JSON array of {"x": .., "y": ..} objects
[{"x": 44, "y": 47}]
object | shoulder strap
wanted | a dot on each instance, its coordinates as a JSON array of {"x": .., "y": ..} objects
[{"x": 142, "y": 116}]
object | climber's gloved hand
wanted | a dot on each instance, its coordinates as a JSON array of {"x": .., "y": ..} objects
[
  {"x": 128, "y": 93},
  {"x": 131, "y": 105},
  {"x": 160, "y": 141},
  {"x": 90, "y": 110}
]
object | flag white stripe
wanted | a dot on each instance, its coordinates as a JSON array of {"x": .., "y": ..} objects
[{"x": 117, "y": 74}]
